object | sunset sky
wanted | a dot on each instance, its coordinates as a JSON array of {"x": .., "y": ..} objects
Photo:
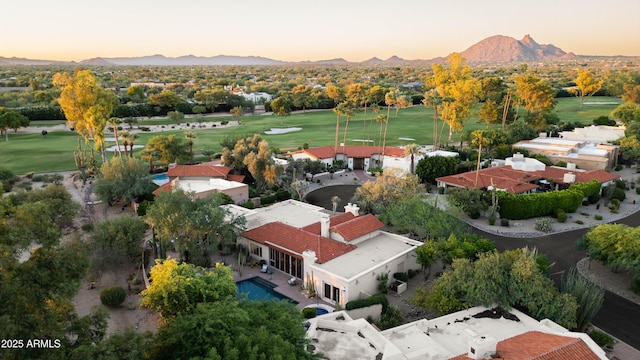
[{"x": 295, "y": 30}]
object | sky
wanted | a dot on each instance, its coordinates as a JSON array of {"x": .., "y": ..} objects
[{"x": 299, "y": 30}]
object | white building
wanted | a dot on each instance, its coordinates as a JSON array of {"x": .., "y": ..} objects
[
  {"x": 475, "y": 333},
  {"x": 341, "y": 256}
]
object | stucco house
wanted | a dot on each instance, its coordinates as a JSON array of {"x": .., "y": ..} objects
[
  {"x": 360, "y": 157},
  {"x": 340, "y": 255},
  {"x": 205, "y": 179},
  {"x": 475, "y": 333},
  {"x": 524, "y": 175}
]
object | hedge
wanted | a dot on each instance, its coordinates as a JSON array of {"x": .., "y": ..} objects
[
  {"x": 47, "y": 112},
  {"x": 526, "y": 206},
  {"x": 372, "y": 300},
  {"x": 113, "y": 296},
  {"x": 267, "y": 199},
  {"x": 589, "y": 189}
]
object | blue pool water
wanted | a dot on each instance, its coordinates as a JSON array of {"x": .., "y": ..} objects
[
  {"x": 257, "y": 288},
  {"x": 160, "y": 179}
]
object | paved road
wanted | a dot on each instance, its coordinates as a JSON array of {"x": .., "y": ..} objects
[{"x": 618, "y": 316}]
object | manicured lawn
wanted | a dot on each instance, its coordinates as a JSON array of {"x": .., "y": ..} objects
[{"x": 31, "y": 152}]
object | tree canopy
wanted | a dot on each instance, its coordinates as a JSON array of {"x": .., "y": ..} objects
[
  {"x": 177, "y": 288},
  {"x": 11, "y": 119},
  {"x": 430, "y": 168},
  {"x": 507, "y": 279},
  {"x": 86, "y": 105},
  {"x": 387, "y": 189},
  {"x": 123, "y": 179}
]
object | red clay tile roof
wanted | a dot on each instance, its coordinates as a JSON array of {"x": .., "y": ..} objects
[
  {"x": 518, "y": 181},
  {"x": 333, "y": 221},
  {"x": 234, "y": 177},
  {"x": 163, "y": 188},
  {"x": 357, "y": 227},
  {"x": 285, "y": 237},
  {"x": 326, "y": 152},
  {"x": 541, "y": 346},
  {"x": 198, "y": 171}
]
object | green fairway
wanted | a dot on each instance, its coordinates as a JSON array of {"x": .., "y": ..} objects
[{"x": 31, "y": 152}]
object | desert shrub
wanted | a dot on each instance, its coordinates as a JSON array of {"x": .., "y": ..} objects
[
  {"x": 88, "y": 227},
  {"x": 113, "y": 296},
  {"x": 597, "y": 217},
  {"x": 492, "y": 220},
  {"x": 635, "y": 287},
  {"x": 562, "y": 216},
  {"x": 224, "y": 122},
  {"x": 504, "y": 222},
  {"x": 601, "y": 338},
  {"x": 440, "y": 190},
  {"x": 6, "y": 175},
  {"x": 618, "y": 194},
  {"x": 579, "y": 222},
  {"x": 402, "y": 276},
  {"x": 390, "y": 318},
  {"x": 621, "y": 184},
  {"x": 638, "y": 191},
  {"x": 593, "y": 199},
  {"x": 309, "y": 313},
  {"x": 37, "y": 178},
  {"x": 604, "y": 120},
  {"x": 615, "y": 203},
  {"x": 29, "y": 175},
  {"x": 618, "y": 167},
  {"x": 248, "y": 205},
  {"x": 543, "y": 225}
]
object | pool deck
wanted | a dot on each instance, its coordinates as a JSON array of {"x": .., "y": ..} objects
[{"x": 280, "y": 279}]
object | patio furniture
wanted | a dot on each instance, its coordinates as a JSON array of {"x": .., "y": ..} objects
[{"x": 292, "y": 281}]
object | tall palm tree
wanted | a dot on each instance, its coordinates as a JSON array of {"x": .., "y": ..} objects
[
  {"x": 149, "y": 154},
  {"x": 190, "y": 136},
  {"x": 335, "y": 201},
  {"x": 114, "y": 123},
  {"x": 124, "y": 136},
  {"x": 390, "y": 98},
  {"x": 411, "y": 150},
  {"x": 338, "y": 112},
  {"x": 349, "y": 114},
  {"x": 132, "y": 138}
]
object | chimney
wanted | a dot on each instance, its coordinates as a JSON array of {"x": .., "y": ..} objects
[
  {"x": 324, "y": 226},
  {"x": 569, "y": 178},
  {"x": 482, "y": 347},
  {"x": 352, "y": 208},
  {"x": 571, "y": 166}
]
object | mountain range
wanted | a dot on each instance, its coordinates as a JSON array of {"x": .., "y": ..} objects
[{"x": 496, "y": 48}]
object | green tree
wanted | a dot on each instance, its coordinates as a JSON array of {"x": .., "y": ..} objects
[
  {"x": 237, "y": 113},
  {"x": 114, "y": 123},
  {"x": 520, "y": 130},
  {"x": 281, "y": 106},
  {"x": 536, "y": 94},
  {"x": 506, "y": 280},
  {"x": 432, "y": 167},
  {"x": 586, "y": 85},
  {"x": 135, "y": 93},
  {"x": 234, "y": 330},
  {"x": 168, "y": 148},
  {"x": 422, "y": 219},
  {"x": 388, "y": 188},
  {"x": 210, "y": 98},
  {"x": 301, "y": 97},
  {"x": 472, "y": 201},
  {"x": 119, "y": 238},
  {"x": 627, "y": 113},
  {"x": 458, "y": 89},
  {"x": 11, "y": 119},
  {"x": 86, "y": 105},
  {"x": 127, "y": 344},
  {"x": 122, "y": 179},
  {"x": 488, "y": 113},
  {"x": 177, "y": 288},
  {"x": 615, "y": 244},
  {"x": 166, "y": 99},
  {"x": 630, "y": 148},
  {"x": 262, "y": 166}
]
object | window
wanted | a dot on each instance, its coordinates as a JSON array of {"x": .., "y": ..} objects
[{"x": 255, "y": 250}]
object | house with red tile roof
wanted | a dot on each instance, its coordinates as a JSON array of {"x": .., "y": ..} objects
[
  {"x": 355, "y": 157},
  {"x": 472, "y": 334},
  {"x": 523, "y": 175},
  {"x": 204, "y": 179},
  {"x": 341, "y": 256}
]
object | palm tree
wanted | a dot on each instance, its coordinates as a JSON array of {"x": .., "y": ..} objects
[
  {"x": 132, "y": 138},
  {"x": 390, "y": 98},
  {"x": 124, "y": 136},
  {"x": 149, "y": 154},
  {"x": 349, "y": 113},
  {"x": 208, "y": 153},
  {"x": 411, "y": 150},
  {"x": 114, "y": 122},
  {"x": 190, "y": 135},
  {"x": 335, "y": 200},
  {"x": 338, "y": 112}
]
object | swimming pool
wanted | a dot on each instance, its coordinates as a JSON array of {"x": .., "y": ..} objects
[
  {"x": 257, "y": 288},
  {"x": 160, "y": 179}
]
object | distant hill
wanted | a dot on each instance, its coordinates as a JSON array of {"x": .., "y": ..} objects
[
  {"x": 501, "y": 48},
  {"x": 496, "y": 48}
]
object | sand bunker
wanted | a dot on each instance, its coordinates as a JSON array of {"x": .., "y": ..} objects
[
  {"x": 601, "y": 103},
  {"x": 277, "y": 131}
]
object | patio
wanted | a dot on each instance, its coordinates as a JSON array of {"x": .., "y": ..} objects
[{"x": 277, "y": 277}]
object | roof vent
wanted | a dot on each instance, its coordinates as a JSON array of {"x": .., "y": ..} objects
[{"x": 482, "y": 347}]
